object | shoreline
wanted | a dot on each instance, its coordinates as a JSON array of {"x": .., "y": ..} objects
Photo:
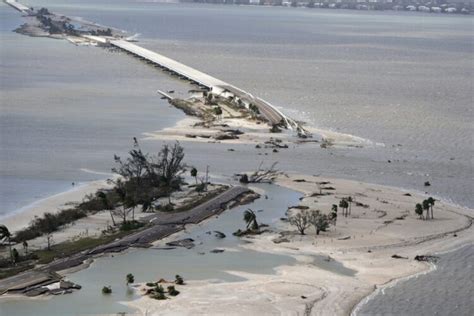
[
  {"x": 20, "y": 218},
  {"x": 360, "y": 289},
  {"x": 338, "y": 294},
  {"x": 430, "y": 267}
]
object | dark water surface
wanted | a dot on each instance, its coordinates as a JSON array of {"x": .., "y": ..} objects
[{"x": 402, "y": 81}]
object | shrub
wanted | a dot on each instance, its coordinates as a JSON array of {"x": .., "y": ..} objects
[
  {"x": 130, "y": 278},
  {"x": 200, "y": 187},
  {"x": 150, "y": 284},
  {"x": 158, "y": 296},
  {"x": 107, "y": 290},
  {"x": 172, "y": 291},
  {"x": 244, "y": 178},
  {"x": 49, "y": 223},
  {"x": 179, "y": 280},
  {"x": 275, "y": 129},
  {"x": 159, "y": 289},
  {"x": 167, "y": 208},
  {"x": 130, "y": 225}
]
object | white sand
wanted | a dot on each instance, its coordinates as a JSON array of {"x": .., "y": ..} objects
[
  {"x": 326, "y": 292},
  {"x": 253, "y": 134},
  {"x": 52, "y": 204}
]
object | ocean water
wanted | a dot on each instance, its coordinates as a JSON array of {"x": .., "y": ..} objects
[
  {"x": 402, "y": 81},
  {"x": 445, "y": 291}
]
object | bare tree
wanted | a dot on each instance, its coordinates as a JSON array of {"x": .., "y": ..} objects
[
  {"x": 301, "y": 220},
  {"x": 263, "y": 175}
]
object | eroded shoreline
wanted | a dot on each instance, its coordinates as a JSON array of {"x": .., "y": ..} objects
[{"x": 335, "y": 294}]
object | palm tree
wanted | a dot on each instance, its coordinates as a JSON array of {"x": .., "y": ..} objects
[
  {"x": 251, "y": 219},
  {"x": 130, "y": 278},
  {"x": 419, "y": 210},
  {"x": 194, "y": 174},
  {"x": 349, "y": 199},
  {"x": 103, "y": 197},
  {"x": 426, "y": 207},
  {"x": 344, "y": 205},
  {"x": 431, "y": 201},
  {"x": 6, "y": 235}
]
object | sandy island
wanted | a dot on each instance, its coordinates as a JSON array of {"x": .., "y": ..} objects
[{"x": 382, "y": 223}]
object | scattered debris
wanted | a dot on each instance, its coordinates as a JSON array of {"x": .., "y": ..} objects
[
  {"x": 280, "y": 239},
  {"x": 426, "y": 258},
  {"x": 187, "y": 243},
  {"x": 398, "y": 257},
  {"x": 344, "y": 238},
  {"x": 216, "y": 251},
  {"x": 219, "y": 234}
]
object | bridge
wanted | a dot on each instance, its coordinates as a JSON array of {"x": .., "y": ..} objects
[
  {"x": 18, "y": 6},
  {"x": 215, "y": 86},
  {"x": 212, "y": 84}
]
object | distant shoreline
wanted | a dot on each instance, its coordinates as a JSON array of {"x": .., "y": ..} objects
[{"x": 424, "y": 7}]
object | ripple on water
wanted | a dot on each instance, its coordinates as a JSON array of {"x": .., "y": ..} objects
[{"x": 447, "y": 290}]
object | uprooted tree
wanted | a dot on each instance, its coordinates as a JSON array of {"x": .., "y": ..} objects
[{"x": 261, "y": 175}]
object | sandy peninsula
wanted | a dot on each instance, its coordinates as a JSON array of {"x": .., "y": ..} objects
[{"x": 359, "y": 248}]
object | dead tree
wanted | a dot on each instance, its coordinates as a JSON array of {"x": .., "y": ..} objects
[
  {"x": 301, "y": 220},
  {"x": 264, "y": 175}
]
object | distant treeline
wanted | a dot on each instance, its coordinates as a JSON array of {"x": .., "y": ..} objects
[{"x": 436, "y": 6}]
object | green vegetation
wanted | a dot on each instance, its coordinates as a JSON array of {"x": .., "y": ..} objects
[
  {"x": 217, "y": 111},
  {"x": 179, "y": 280},
  {"x": 157, "y": 291},
  {"x": 107, "y": 290},
  {"x": 101, "y": 32},
  {"x": 130, "y": 278},
  {"x": 250, "y": 219},
  {"x": 158, "y": 296},
  {"x": 172, "y": 291},
  {"x": 426, "y": 205},
  {"x": 49, "y": 223},
  {"x": 6, "y": 236},
  {"x": 144, "y": 179},
  {"x": 194, "y": 174},
  {"x": 275, "y": 129},
  {"x": 68, "y": 248},
  {"x": 55, "y": 26},
  {"x": 344, "y": 204},
  {"x": 305, "y": 218},
  {"x": 320, "y": 221},
  {"x": 254, "y": 111},
  {"x": 419, "y": 210}
]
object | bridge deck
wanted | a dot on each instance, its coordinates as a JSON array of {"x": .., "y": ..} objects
[
  {"x": 168, "y": 63},
  {"x": 18, "y": 6},
  {"x": 214, "y": 84}
]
